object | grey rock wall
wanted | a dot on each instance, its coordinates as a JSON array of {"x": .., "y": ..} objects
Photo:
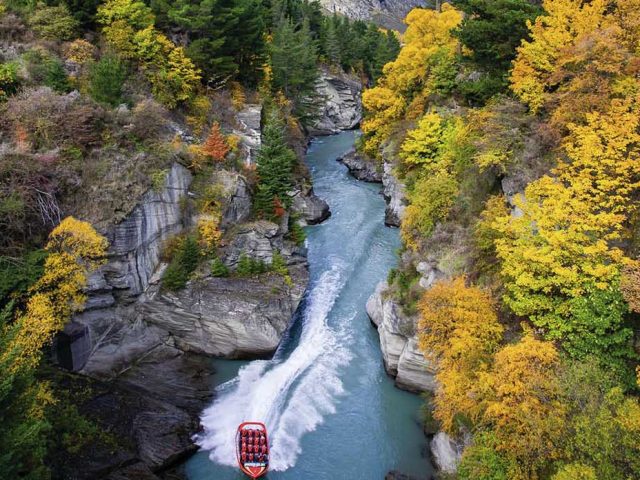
[{"x": 341, "y": 104}]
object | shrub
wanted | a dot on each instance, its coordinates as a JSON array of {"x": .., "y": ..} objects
[
  {"x": 149, "y": 120},
  {"x": 106, "y": 78},
  {"x": 53, "y": 22},
  {"x": 183, "y": 264},
  {"x": 79, "y": 51},
  {"x": 43, "y": 68},
  {"x": 218, "y": 268},
  {"x": 296, "y": 232},
  {"x": 8, "y": 79}
]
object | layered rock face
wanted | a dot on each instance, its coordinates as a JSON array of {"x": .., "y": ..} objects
[
  {"x": 387, "y": 13},
  {"x": 395, "y": 194},
  {"x": 341, "y": 103},
  {"x": 402, "y": 358}
]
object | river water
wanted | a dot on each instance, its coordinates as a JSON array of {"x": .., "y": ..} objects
[{"x": 331, "y": 411}]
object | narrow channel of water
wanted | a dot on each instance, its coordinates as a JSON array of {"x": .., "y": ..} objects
[{"x": 331, "y": 411}]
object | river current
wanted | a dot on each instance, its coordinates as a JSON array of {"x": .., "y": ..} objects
[{"x": 331, "y": 411}]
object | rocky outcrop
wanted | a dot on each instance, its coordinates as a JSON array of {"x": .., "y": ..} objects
[
  {"x": 135, "y": 243},
  {"x": 446, "y": 452},
  {"x": 360, "y": 167},
  {"x": 341, "y": 103},
  {"x": 402, "y": 358},
  {"x": 249, "y": 120},
  {"x": 308, "y": 207},
  {"x": 237, "y": 205},
  {"x": 387, "y": 13},
  {"x": 395, "y": 195}
]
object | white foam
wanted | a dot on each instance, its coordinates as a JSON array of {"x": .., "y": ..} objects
[{"x": 291, "y": 395}]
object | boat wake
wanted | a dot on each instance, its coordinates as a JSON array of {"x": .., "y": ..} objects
[{"x": 290, "y": 395}]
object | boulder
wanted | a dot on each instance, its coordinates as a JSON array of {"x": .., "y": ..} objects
[
  {"x": 360, "y": 167},
  {"x": 341, "y": 103},
  {"x": 374, "y": 304},
  {"x": 309, "y": 208},
  {"x": 395, "y": 195},
  {"x": 429, "y": 274},
  {"x": 237, "y": 198},
  {"x": 257, "y": 240}
]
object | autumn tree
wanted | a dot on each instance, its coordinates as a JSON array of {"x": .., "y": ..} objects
[
  {"x": 128, "y": 26},
  {"x": 524, "y": 405},
  {"x": 459, "y": 330},
  {"x": 74, "y": 249},
  {"x": 560, "y": 259},
  {"x": 429, "y": 49},
  {"x": 216, "y": 146}
]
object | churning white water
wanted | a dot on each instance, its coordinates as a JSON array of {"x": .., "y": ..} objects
[{"x": 291, "y": 395}]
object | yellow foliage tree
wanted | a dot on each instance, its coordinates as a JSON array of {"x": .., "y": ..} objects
[
  {"x": 523, "y": 405},
  {"x": 580, "y": 56},
  {"x": 128, "y": 27},
  {"x": 421, "y": 146},
  {"x": 459, "y": 330},
  {"x": 412, "y": 77},
  {"x": 75, "y": 249}
]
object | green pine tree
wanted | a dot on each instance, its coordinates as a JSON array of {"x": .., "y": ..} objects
[
  {"x": 274, "y": 168},
  {"x": 218, "y": 268},
  {"x": 106, "y": 78}
]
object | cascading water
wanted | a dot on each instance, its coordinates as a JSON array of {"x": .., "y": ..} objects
[{"x": 331, "y": 411}]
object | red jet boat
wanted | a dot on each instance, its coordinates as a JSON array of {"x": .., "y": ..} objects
[{"x": 252, "y": 449}]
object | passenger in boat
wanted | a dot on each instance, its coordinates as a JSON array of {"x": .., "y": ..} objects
[
  {"x": 262, "y": 440},
  {"x": 243, "y": 456},
  {"x": 251, "y": 457},
  {"x": 263, "y": 449}
]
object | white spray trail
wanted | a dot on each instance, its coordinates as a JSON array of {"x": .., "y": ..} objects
[{"x": 263, "y": 391}]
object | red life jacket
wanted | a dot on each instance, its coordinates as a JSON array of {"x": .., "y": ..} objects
[
  {"x": 263, "y": 449},
  {"x": 251, "y": 457},
  {"x": 244, "y": 457},
  {"x": 244, "y": 447},
  {"x": 262, "y": 440}
]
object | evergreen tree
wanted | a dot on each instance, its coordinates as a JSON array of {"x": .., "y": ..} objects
[
  {"x": 106, "y": 79},
  {"x": 275, "y": 169},
  {"x": 218, "y": 268},
  {"x": 293, "y": 62},
  {"x": 493, "y": 29},
  {"x": 331, "y": 41},
  {"x": 225, "y": 36}
]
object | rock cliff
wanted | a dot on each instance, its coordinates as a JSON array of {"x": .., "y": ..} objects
[
  {"x": 341, "y": 103},
  {"x": 387, "y": 13},
  {"x": 395, "y": 194},
  {"x": 398, "y": 343}
]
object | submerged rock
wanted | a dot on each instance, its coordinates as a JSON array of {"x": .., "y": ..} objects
[{"x": 361, "y": 168}]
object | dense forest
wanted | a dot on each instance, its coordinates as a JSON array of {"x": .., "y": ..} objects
[
  {"x": 515, "y": 127},
  {"x": 95, "y": 98}
]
